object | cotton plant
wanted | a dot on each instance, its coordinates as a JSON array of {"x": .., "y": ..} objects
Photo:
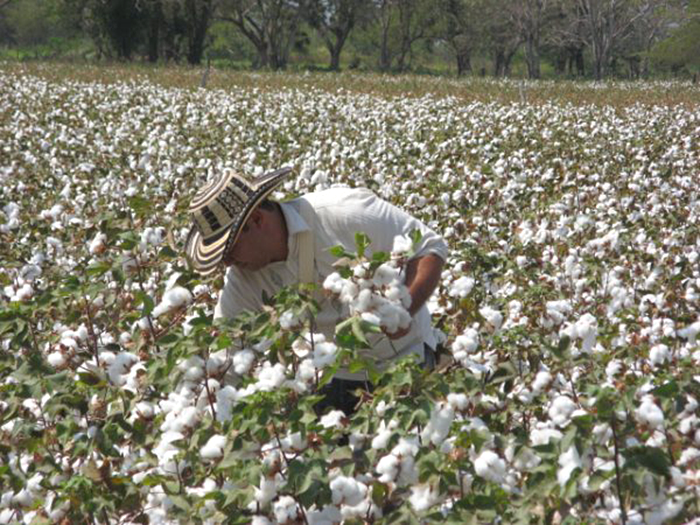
[
  {"x": 569, "y": 303},
  {"x": 373, "y": 289}
]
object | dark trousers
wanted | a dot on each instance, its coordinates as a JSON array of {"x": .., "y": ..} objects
[{"x": 339, "y": 394}]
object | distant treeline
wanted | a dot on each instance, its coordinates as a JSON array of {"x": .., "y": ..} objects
[{"x": 571, "y": 38}]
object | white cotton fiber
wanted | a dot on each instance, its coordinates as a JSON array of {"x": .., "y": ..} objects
[
  {"x": 490, "y": 466},
  {"x": 649, "y": 413},
  {"x": 568, "y": 462},
  {"x": 214, "y": 448},
  {"x": 176, "y": 297},
  {"x": 561, "y": 409},
  {"x": 461, "y": 287}
]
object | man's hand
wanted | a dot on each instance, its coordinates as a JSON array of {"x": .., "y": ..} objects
[
  {"x": 422, "y": 276},
  {"x": 399, "y": 333}
]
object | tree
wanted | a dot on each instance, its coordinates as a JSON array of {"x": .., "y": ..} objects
[
  {"x": 502, "y": 36},
  {"x": 460, "y": 30},
  {"x": 417, "y": 19},
  {"x": 529, "y": 17},
  {"x": 199, "y": 15},
  {"x": 682, "y": 47},
  {"x": 270, "y": 25},
  {"x": 334, "y": 20},
  {"x": 606, "y": 23},
  {"x": 400, "y": 24}
]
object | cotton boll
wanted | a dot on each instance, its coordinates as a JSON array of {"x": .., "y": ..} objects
[
  {"x": 664, "y": 512},
  {"x": 214, "y": 448},
  {"x": 145, "y": 409},
  {"x": 334, "y": 419},
  {"x": 347, "y": 491},
  {"x": 402, "y": 245},
  {"x": 24, "y": 498},
  {"x": 690, "y": 332},
  {"x": 561, "y": 409},
  {"x": 438, "y": 427},
  {"x": 56, "y": 359},
  {"x": 649, "y": 413},
  {"x": 465, "y": 344},
  {"x": 334, "y": 283},
  {"x": 458, "y": 402},
  {"x": 493, "y": 317},
  {"x": 384, "y": 433},
  {"x": 176, "y": 297},
  {"x": 288, "y": 320},
  {"x": 285, "y": 509},
  {"x": 349, "y": 292},
  {"x": 267, "y": 491},
  {"x": 193, "y": 367},
  {"x": 385, "y": 275},
  {"x": 98, "y": 244},
  {"x": 613, "y": 368},
  {"x": 659, "y": 354},
  {"x": 328, "y": 515},
  {"x": 388, "y": 468},
  {"x": 423, "y": 497},
  {"x": 541, "y": 381},
  {"x": 587, "y": 330},
  {"x": 293, "y": 442},
  {"x": 120, "y": 367},
  {"x": 490, "y": 466},
  {"x": 461, "y": 287},
  {"x": 568, "y": 462},
  {"x": 363, "y": 302},
  {"x": 243, "y": 361},
  {"x": 271, "y": 377},
  {"x": 371, "y": 318},
  {"x": 324, "y": 354},
  {"x": 360, "y": 271}
]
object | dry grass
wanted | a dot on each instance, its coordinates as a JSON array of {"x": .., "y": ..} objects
[{"x": 618, "y": 94}]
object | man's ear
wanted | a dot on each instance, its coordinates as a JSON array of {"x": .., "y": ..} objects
[{"x": 256, "y": 218}]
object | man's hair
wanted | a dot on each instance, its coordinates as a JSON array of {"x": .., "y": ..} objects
[{"x": 268, "y": 205}]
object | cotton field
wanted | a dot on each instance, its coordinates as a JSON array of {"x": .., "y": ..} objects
[{"x": 569, "y": 309}]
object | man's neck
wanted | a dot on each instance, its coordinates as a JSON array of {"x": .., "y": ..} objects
[{"x": 283, "y": 238}]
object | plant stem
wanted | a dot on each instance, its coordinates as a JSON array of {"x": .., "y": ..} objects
[{"x": 618, "y": 480}]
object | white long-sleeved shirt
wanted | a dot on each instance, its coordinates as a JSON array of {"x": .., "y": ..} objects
[{"x": 340, "y": 214}]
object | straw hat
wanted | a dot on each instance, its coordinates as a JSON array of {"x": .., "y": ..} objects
[{"x": 220, "y": 209}]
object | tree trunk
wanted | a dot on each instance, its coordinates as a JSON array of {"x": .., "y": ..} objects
[
  {"x": 532, "y": 58},
  {"x": 498, "y": 63},
  {"x": 199, "y": 24},
  {"x": 385, "y": 55},
  {"x": 156, "y": 20},
  {"x": 263, "y": 59},
  {"x": 464, "y": 63},
  {"x": 335, "y": 58}
]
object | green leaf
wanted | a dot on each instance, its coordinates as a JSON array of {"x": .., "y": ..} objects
[
  {"x": 167, "y": 252},
  {"x": 604, "y": 405},
  {"x": 560, "y": 350},
  {"x": 668, "y": 390},
  {"x": 97, "y": 269},
  {"x": 651, "y": 458},
  {"x": 416, "y": 236},
  {"x": 361, "y": 242},
  {"x": 339, "y": 251},
  {"x": 145, "y": 300}
]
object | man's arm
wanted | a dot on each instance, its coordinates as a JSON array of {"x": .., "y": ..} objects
[{"x": 422, "y": 277}]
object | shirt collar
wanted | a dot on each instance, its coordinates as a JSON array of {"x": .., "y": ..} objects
[{"x": 295, "y": 225}]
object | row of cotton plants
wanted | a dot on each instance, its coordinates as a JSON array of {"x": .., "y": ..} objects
[{"x": 569, "y": 311}]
